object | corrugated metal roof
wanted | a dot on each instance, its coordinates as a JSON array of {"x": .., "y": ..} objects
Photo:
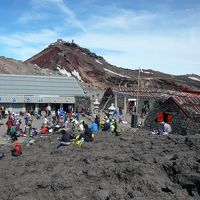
[
  {"x": 190, "y": 105},
  {"x": 39, "y": 85},
  {"x": 150, "y": 92}
]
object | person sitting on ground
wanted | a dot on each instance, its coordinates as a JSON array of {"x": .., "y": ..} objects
[
  {"x": 94, "y": 127},
  {"x": 97, "y": 120},
  {"x": 81, "y": 125},
  {"x": 64, "y": 140},
  {"x": 34, "y": 132},
  {"x": 106, "y": 126},
  {"x": 165, "y": 130},
  {"x": 16, "y": 149},
  {"x": 103, "y": 122},
  {"x": 44, "y": 130},
  {"x": 87, "y": 135}
]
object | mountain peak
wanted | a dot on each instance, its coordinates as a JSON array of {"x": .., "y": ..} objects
[{"x": 70, "y": 59}]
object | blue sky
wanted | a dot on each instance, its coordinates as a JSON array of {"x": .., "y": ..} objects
[{"x": 163, "y": 35}]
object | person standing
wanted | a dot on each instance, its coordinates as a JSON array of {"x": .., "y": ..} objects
[
  {"x": 9, "y": 124},
  {"x": 48, "y": 110}
]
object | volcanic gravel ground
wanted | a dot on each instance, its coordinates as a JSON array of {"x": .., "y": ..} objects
[{"x": 134, "y": 165}]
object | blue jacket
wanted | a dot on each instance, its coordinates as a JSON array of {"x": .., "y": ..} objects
[{"x": 94, "y": 127}]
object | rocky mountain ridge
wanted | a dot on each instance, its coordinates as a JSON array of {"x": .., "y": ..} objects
[
  {"x": 95, "y": 70},
  {"x": 69, "y": 59}
]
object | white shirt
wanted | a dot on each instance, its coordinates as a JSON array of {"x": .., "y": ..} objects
[{"x": 167, "y": 128}]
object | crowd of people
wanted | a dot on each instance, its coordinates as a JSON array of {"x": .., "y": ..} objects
[{"x": 71, "y": 126}]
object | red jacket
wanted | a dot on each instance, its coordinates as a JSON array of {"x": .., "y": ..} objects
[
  {"x": 17, "y": 148},
  {"x": 9, "y": 123}
]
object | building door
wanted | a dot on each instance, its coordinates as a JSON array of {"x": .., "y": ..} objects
[
  {"x": 68, "y": 107},
  {"x": 30, "y": 107},
  {"x": 17, "y": 107}
]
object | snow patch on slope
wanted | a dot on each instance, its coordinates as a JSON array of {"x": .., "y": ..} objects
[
  {"x": 147, "y": 72},
  {"x": 98, "y": 62},
  {"x": 107, "y": 70},
  {"x": 75, "y": 73},
  {"x": 194, "y": 78},
  {"x": 64, "y": 71}
]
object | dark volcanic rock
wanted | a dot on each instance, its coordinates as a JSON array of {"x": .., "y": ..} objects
[{"x": 132, "y": 166}]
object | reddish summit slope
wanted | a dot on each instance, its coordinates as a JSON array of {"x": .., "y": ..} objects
[
  {"x": 73, "y": 59},
  {"x": 70, "y": 59}
]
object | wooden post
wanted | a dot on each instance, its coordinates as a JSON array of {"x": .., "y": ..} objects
[
  {"x": 115, "y": 100},
  {"x": 125, "y": 108}
]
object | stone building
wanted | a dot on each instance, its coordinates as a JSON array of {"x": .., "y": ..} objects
[{"x": 184, "y": 111}]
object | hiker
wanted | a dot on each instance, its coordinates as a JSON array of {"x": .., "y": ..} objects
[
  {"x": 9, "y": 124},
  {"x": 120, "y": 115},
  {"x": 74, "y": 125},
  {"x": 103, "y": 121},
  {"x": 54, "y": 119},
  {"x": 48, "y": 110},
  {"x": 62, "y": 121},
  {"x": 113, "y": 126},
  {"x": 94, "y": 127},
  {"x": 44, "y": 130},
  {"x": 87, "y": 135},
  {"x": 18, "y": 123},
  {"x": 165, "y": 130},
  {"x": 106, "y": 126},
  {"x": 13, "y": 132},
  {"x": 37, "y": 115},
  {"x": 97, "y": 121},
  {"x": 64, "y": 140},
  {"x": 46, "y": 121},
  {"x": 81, "y": 125},
  {"x": 143, "y": 112},
  {"x": 26, "y": 119},
  {"x": 16, "y": 149}
]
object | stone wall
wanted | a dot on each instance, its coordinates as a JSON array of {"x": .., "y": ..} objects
[{"x": 181, "y": 124}]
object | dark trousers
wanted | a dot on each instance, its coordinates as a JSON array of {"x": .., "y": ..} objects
[{"x": 8, "y": 131}]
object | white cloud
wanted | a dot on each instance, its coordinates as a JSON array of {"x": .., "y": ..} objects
[
  {"x": 121, "y": 20},
  {"x": 24, "y": 52},
  {"x": 25, "y": 44},
  {"x": 32, "y": 16},
  {"x": 165, "y": 51},
  {"x": 29, "y": 38},
  {"x": 149, "y": 39},
  {"x": 69, "y": 16}
]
